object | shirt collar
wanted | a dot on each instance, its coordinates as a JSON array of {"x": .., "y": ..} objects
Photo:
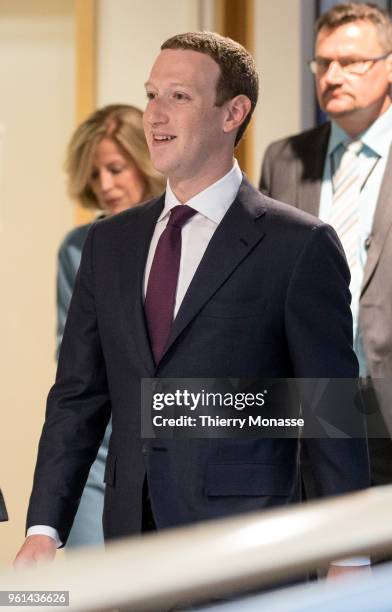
[
  {"x": 377, "y": 137},
  {"x": 337, "y": 137},
  {"x": 214, "y": 201}
]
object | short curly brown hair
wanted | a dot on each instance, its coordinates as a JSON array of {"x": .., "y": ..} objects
[{"x": 238, "y": 74}]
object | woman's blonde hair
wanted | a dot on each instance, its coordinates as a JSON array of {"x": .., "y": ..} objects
[{"x": 123, "y": 124}]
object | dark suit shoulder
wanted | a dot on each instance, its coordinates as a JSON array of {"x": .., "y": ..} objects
[
  {"x": 275, "y": 214},
  {"x": 301, "y": 144},
  {"x": 292, "y": 168},
  {"x": 279, "y": 212}
]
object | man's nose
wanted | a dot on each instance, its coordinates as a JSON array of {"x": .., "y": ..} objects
[
  {"x": 156, "y": 112},
  {"x": 334, "y": 72}
]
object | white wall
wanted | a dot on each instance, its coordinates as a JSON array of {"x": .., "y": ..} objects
[
  {"x": 36, "y": 115},
  {"x": 283, "y": 43},
  {"x": 130, "y": 33}
]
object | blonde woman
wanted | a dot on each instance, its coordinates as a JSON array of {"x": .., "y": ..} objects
[{"x": 109, "y": 170}]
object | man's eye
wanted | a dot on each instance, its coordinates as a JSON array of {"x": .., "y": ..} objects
[
  {"x": 355, "y": 64},
  {"x": 323, "y": 64},
  {"x": 150, "y": 95},
  {"x": 178, "y": 95}
]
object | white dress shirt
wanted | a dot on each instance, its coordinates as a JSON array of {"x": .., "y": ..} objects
[{"x": 211, "y": 205}]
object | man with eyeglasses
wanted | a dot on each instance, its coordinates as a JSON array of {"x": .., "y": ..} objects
[{"x": 342, "y": 171}]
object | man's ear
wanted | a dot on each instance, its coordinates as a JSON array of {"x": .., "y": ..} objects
[{"x": 237, "y": 110}]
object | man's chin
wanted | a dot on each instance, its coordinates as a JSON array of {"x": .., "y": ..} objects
[
  {"x": 161, "y": 164},
  {"x": 335, "y": 109}
]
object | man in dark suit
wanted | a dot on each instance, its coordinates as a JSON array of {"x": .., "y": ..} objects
[
  {"x": 353, "y": 73},
  {"x": 259, "y": 289}
]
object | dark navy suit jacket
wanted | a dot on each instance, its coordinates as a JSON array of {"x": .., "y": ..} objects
[{"x": 270, "y": 298}]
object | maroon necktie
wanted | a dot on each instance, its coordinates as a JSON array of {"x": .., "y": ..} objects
[{"x": 162, "y": 282}]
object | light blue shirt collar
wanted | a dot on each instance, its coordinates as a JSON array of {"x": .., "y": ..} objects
[
  {"x": 214, "y": 201},
  {"x": 377, "y": 137}
]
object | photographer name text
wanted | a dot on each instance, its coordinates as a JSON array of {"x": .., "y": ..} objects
[{"x": 205, "y": 420}]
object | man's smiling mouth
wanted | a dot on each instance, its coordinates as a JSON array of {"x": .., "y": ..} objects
[{"x": 159, "y": 138}]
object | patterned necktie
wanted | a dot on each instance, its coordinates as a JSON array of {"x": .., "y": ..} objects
[
  {"x": 162, "y": 281},
  {"x": 344, "y": 218}
]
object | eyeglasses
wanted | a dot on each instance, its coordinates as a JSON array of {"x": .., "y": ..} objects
[{"x": 359, "y": 67}]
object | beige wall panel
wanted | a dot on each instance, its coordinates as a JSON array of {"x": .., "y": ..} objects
[
  {"x": 130, "y": 33},
  {"x": 36, "y": 119},
  {"x": 283, "y": 43}
]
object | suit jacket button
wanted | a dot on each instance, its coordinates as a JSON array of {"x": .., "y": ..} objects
[{"x": 145, "y": 449}]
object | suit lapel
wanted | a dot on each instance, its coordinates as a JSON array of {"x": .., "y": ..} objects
[
  {"x": 135, "y": 244},
  {"x": 310, "y": 160},
  {"x": 381, "y": 224},
  {"x": 235, "y": 237}
]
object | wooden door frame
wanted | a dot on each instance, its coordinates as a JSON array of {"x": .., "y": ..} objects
[
  {"x": 235, "y": 18},
  {"x": 85, "y": 73}
]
